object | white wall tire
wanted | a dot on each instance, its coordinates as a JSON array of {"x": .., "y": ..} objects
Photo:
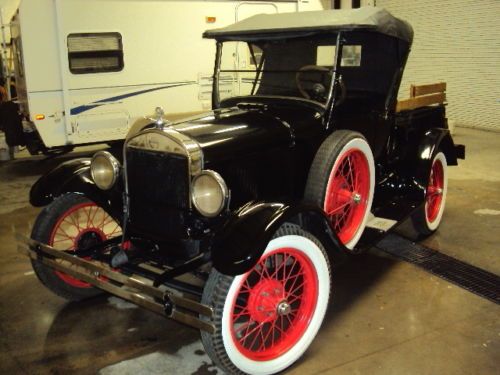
[
  {"x": 346, "y": 200},
  {"x": 248, "y": 339},
  {"x": 427, "y": 218}
]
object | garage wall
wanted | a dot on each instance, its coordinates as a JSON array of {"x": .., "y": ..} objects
[{"x": 457, "y": 41}]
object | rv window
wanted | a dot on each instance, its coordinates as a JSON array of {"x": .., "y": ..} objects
[{"x": 95, "y": 53}]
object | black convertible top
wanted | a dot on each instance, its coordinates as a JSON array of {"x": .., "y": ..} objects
[{"x": 313, "y": 22}]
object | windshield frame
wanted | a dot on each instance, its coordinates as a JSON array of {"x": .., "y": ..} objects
[{"x": 329, "y": 104}]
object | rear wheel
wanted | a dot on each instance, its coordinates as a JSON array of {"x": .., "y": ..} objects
[
  {"x": 266, "y": 318},
  {"x": 427, "y": 218},
  {"x": 71, "y": 221},
  {"x": 341, "y": 181}
]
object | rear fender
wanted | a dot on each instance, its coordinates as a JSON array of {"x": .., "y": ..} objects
[
  {"x": 74, "y": 177},
  {"x": 434, "y": 140},
  {"x": 244, "y": 237}
]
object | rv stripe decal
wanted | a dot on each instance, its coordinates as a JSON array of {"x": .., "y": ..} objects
[{"x": 87, "y": 107}]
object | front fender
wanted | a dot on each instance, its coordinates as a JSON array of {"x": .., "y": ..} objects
[
  {"x": 74, "y": 177},
  {"x": 244, "y": 237}
]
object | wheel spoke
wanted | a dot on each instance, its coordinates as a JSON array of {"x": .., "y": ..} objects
[
  {"x": 88, "y": 216},
  {"x": 244, "y": 325},
  {"x": 356, "y": 180},
  {"x": 339, "y": 208},
  {"x": 262, "y": 346},
  {"x": 117, "y": 229},
  {"x": 104, "y": 217},
  {"x": 255, "y": 330},
  {"x": 65, "y": 233},
  {"x": 292, "y": 292},
  {"x": 295, "y": 298},
  {"x": 74, "y": 221},
  {"x": 292, "y": 287},
  {"x": 63, "y": 240},
  {"x": 350, "y": 178},
  {"x": 287, "y": 275},
  {"x": 265, "y": 339}
]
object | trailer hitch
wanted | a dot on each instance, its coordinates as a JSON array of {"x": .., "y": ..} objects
[{"x": 133, "y": 288}]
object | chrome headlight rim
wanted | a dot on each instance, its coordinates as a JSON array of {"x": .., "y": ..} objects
[
  {"x": 224, "y": 192},
  {"x": 114, "y": 164}
]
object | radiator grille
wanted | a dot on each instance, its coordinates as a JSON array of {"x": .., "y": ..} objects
[{"x": 158, "y": 187}]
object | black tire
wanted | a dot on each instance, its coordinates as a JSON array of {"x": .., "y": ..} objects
[
  {"x": 346, "y": 202},
  {"x": 427, "y": 218},
  {"x": 61, "y": 212},
  {"x": 235, "y": 354}
]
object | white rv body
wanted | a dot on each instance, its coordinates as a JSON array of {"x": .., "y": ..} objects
[{"x": 165, "y": 62}]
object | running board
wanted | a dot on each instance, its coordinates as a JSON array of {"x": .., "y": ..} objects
[
  {"x": 380, "y": 223},
  {"x": 160, "y": 301},
  {"x": 376, "y": 229}
]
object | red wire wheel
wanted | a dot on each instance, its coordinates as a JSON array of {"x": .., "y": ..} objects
[
  {"x": 427, "y": 218},
  {"x": 266, "y": 318},
  {"x": 341, "y": 180},
  {"x": 82, "y": 226},
  {"x": 275, "y": 304},
  {"x": 347, "y": 192},
  {"x": 435, "y": 189}
]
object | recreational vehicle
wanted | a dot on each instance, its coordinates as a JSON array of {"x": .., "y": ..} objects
[{"x": 86, "y": 70}]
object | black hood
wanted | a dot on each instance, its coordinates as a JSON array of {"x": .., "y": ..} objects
[
  {"x": 242, "y": 130},
  {"x": 228, "y": 133}
]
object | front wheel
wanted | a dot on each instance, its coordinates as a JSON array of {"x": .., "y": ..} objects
[
  {"x": 71, "y": 221},
  {"x": 266, "y": 318}
]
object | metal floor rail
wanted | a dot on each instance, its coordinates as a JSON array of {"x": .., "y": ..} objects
[{"x": 466, "y": 276}]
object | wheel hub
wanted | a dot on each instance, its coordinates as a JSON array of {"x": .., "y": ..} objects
[
  {"x": 356, "y": 197},
  {"x": 266, "y": 301},
  {"x": 284, "y": 308},
  {"x": 88, "y": 238}
]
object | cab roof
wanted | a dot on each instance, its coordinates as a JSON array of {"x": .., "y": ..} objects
[{"x": 285, "y": 25}]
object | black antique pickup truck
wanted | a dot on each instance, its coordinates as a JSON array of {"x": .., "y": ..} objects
[{"x": 231, "y": 221}]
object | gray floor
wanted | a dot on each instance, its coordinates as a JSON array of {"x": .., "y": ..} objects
[{"x": 386, "y": 317}]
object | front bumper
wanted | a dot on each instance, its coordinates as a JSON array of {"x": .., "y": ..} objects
[{"x": 132, "y": 288}]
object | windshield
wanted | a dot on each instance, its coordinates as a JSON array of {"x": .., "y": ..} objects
[
  {"x": 295, "y": 68},
  {"x": 302, "y": 68}
]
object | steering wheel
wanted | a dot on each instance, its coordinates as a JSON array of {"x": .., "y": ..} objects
[{"x": 318, "y": 90}]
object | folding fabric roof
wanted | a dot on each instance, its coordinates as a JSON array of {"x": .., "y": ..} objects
[{"x": 313, "y": 22}]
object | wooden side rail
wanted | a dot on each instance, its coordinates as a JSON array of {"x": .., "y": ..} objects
[{"x": 423, "y": 95}]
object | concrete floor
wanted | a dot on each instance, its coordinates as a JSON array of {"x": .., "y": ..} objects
[{"x": 386, "y": 317}]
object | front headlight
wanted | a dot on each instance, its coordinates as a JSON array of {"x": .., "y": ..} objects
[
  {"x": 104, "y": 170},
  {"x": 209, "y": 193}
]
